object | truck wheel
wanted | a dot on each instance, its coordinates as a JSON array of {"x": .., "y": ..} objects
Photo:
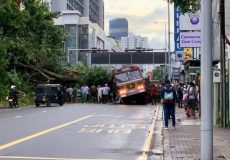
[{"x": 37, "y": 104}]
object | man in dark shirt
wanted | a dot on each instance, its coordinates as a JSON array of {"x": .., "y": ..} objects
[{"x": 169, "y": 98}]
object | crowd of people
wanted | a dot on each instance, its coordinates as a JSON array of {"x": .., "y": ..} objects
[
  {"x": 85, "y": 94},
  {"x": 185, "y": 95}
]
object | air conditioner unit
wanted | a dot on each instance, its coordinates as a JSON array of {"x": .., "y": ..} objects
[{"x": 216, "y": 76}]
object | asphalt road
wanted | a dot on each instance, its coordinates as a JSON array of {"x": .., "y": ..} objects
[{"x": 76, "y": 131}]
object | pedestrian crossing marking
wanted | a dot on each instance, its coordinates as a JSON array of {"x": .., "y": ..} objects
[
  {"x": 18, "y": 141},
  {"x": 112, "y": 128}
]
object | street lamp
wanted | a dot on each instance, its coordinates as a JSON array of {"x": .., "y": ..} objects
[{"x": 165, "y": 23}]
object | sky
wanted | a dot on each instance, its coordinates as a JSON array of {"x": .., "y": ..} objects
[{"x": 141, "y": 15}]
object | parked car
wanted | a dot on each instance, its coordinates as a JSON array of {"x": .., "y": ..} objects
[{"x": 48, "y": 93}]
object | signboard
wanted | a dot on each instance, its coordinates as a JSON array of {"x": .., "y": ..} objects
[
  {"x": 190, "y": 21},
  {"x": 177, "y": 29},
  {"x": 179, "y": 56},
  {"x": 176, "y": 73},
  {"x": 179, "y": 52},
  {"x": 187, "y": 54},
  {"x": 216, "y": 76},
  {"x": 190, "y": 39}
]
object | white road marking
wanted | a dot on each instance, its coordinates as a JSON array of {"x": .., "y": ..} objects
[
  {"x": 45, "y": 158},
  {"x": 112, "y": 128},
  {"x": 44, "y": 111},
  {"x": 18, "y": 117}
]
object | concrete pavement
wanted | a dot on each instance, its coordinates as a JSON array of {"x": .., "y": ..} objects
[{"x": 183, "y": 143}]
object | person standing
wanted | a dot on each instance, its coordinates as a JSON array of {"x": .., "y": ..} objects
[
  {"x": 154, "y": 94},
  {"x": 192, "y": 98},
  {"x": 84, "y": 93},
  {"x": 75, "y": 94},
  {"x": 99, "y": 94},
  {"x": 169, "y": 98},
  {"x": 93, "y": 91},
  {"x": 105, "y": 93},
  {"x": 180, "y": 95},
  {"x": 70, "y": 94}
]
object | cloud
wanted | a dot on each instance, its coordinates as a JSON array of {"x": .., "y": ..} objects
[{"x": 141, "y": 16}]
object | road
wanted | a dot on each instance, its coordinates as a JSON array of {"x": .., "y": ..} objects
[{"x": 76, "y": 131}]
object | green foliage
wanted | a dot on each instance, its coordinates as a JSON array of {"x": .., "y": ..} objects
[
  {"x": 27, "y": 36},
  {"x": 158, "y": 74},
  {"x": 92, "y": 75},
  {"x": 187, "y": 6}
]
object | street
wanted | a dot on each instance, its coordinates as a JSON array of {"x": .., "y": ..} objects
[{"x": 76, "y": 131}]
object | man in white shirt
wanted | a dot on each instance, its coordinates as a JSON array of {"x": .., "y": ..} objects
[{"x": 105, "y": 93}]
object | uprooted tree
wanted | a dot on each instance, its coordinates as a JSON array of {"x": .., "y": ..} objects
[
  {"x": 31, "y": 49},
  {"x": 30, "y": 43}
]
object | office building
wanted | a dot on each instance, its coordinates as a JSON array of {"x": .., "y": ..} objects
[
  {"x": 94, "y": 9},
  {"x": 83, "y": 35},
  {"x": 118, "y": 28},
  {"x": 133, "y": 41}
]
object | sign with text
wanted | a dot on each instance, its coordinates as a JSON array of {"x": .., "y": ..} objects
[
  {"x": 190, "y": 39},
  {"x": 177, "y": 14},
  {"x": 188, "y": 54}
]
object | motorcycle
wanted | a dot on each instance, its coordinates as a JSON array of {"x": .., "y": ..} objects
[{"x": 12, "y": 103}]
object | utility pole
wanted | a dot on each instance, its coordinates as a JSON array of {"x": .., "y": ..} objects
[
  {"x": 223, "y": 62},
  {"x": 165, "y": 25},
  {"x": 169, "y": 50},
  {"x": 206, "y": 81}
]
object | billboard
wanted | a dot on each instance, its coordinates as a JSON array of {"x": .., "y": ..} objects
[
  {"x": 178, "y": 50},
  {"x": 188, "y": 53},
  {"x": 190, "y": 39},
  {"x": 177, "y": 29},
  {"x": 190, "y": 22}
]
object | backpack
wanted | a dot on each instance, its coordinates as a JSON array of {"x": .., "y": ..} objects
[{"x": 168, "y": 97}]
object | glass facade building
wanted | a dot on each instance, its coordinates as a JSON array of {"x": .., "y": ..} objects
[
  {"x": 94, "y": 9},
  {"x": 118, "y": 28}
]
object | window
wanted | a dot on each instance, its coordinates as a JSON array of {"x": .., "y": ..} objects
[
  {"x": 123, "y": 77},
  {"x": 134, "y": 75}
]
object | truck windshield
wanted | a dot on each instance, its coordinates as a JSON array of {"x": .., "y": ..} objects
[
  {"x": 134, "y": 75},
  {"x": 129, "y": 76},
  {"x": 122, "y": 77}
]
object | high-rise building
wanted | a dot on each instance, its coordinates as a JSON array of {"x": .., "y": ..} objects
[
  {"x": 118, "y": 28},
  {"x": 94, "y": 9},
  {"x": 133, "y": 41}
]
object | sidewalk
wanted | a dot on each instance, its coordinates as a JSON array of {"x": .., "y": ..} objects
[{"x": 183, "y": 143}]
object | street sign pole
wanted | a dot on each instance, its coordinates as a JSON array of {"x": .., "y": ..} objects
[
  {"x": 206, "y": 81},
  {"x": 169, "y": 50}
]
